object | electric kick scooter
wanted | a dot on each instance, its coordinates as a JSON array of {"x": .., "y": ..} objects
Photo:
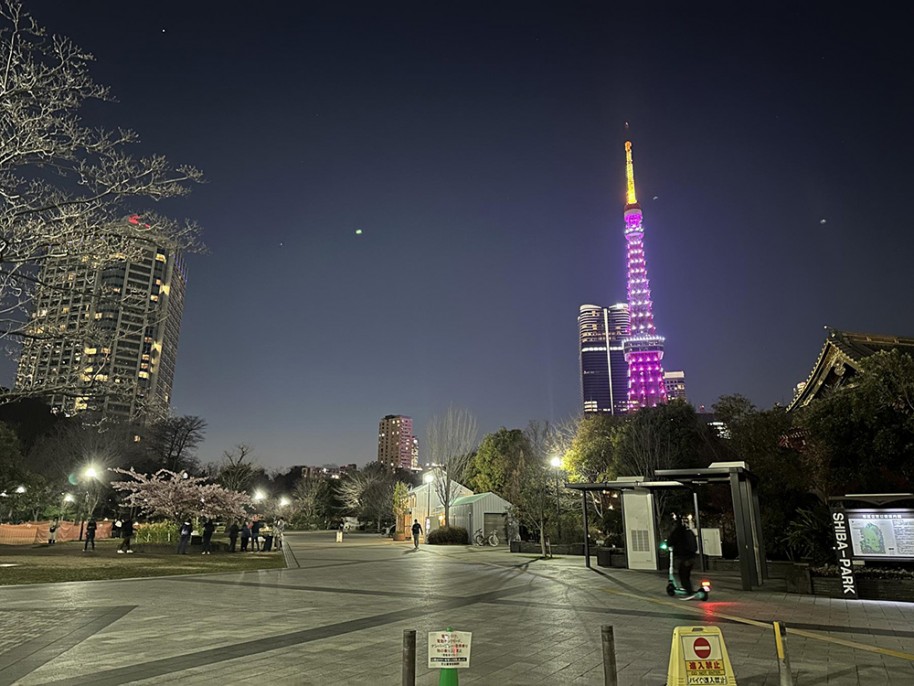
[{"x": 674, "y": 590}]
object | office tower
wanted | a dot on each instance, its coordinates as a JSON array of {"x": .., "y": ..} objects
[
  {"x": 643, "y": 347},
  {"x": 675, "y": 385},
  {"x": 396, "y": 443},
  {"x": 115, "y": 335},
  {"x": 604, "y": 371}
]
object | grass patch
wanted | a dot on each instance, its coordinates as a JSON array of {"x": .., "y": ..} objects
[{"x": 67, "y": 562}]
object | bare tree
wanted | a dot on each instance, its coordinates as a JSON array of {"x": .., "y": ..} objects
[
  {"x": 74, "y": 202},
  {"x": 451, "y": 441},
  {"x": 173, "y": 442},
  {"x": 237, "y": 470},
  {"x": 369, "y": 492}
]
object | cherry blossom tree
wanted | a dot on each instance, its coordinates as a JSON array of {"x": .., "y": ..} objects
[{"x": 177, "y": 495}]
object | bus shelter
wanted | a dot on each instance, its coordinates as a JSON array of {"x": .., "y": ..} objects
[{"x": 746, "y": 514}]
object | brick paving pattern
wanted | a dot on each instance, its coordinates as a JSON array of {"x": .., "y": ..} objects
[{"x": 337, "y": 614}]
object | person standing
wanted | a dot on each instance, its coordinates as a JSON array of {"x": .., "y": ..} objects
[
  {"x": 91, "y": 526},
  {"x": 255, "y": 534},
  {"x": 52, "y": 532},
  {"x": 417, "y": 529},
  {"x": 184, "y": 536},
  {"x": 208, "y": 529},
  {"x": 278, "y": 530},
  {"x": 684, "y": 546},
  {"x": 126, "y": 534},
  {"x": 245, "y": 536},
  {"x": 233, "y": 536}
]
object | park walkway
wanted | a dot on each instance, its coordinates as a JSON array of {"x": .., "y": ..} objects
[{"x": 337, "y": 614}]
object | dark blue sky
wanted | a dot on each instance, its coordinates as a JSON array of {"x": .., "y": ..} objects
[{"x": 479, "y": 146}]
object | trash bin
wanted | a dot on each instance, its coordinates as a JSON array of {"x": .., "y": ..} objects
[{"x": 268, "y": 543}]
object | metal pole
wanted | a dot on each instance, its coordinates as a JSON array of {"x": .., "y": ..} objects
[
  {"x": 409, "y": 657},
  {"x": 558, "y": 507},
  {"x": 586, "y": 530},
  {"x": 701, "y": 549},
  {"x": 780, "y": 643},
  {"x": 610, "y": 678}
]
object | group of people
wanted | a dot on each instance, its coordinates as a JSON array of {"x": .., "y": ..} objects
[{"x": 249, "y": 532}]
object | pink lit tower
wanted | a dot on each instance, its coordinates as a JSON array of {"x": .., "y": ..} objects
[{"x": 643, "y": 347}]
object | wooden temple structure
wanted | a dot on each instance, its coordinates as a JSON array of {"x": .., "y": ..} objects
[{"x": 839, "y": 361}]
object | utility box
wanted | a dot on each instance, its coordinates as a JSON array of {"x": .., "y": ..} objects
[{"x": 640, "y": 530}]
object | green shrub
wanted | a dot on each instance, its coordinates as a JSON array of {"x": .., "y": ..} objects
[
  {"x": 866, "y": 572},
  {"x": 449, "y": 535},
  {"x": 156, "y": 532}
]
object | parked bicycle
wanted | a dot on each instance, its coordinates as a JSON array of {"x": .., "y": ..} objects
[{"x": 479, "y": 538}]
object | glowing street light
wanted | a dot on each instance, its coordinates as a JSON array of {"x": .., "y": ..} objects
[
  {"x": 259, "y": 496},
  {"x": 90, "y": 473},
  {"x": 20, "y": 489},
  {"x": 68, "y": 498},
  {"x": 556, "y": 463},
  {"x": 284, "y": 502},
  {"x": 428, "y": 478}
]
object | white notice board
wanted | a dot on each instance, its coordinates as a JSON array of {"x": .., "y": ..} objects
[
  {"x": 710, "y": 542},
  {"x": 449, "y": 649}
]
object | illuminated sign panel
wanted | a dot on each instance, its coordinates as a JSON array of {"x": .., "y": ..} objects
[{"x": 882, "y": 534}]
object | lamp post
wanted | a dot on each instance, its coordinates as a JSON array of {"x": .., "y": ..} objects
[
  {"x": 89, "y": 473},
  {"x": 556, "y": 463},
  {"x": 428, "y": 478}
]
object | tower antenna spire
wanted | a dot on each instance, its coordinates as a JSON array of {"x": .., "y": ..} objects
[{"x": 630, "y": 197}]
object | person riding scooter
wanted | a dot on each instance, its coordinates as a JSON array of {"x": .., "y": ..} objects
[{"x": 685, "y": 546}]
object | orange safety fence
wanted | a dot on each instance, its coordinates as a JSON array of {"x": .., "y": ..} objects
[{"x": 31, "y": 533}]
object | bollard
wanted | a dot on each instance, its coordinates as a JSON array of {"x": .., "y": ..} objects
[
  {"x": 780, "y": 643},
  {"x": 409, "y": 657},
  {"x": 610, "y": 678}
]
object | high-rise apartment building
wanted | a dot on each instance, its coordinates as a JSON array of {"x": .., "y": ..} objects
[
  {"x": 397, "y": 447},
  {"x": 643, "y": 347},
  {"x": 604, "y": 371},
  {"x": 675, "y": 385},
  {"x": 114, "y": 335}
]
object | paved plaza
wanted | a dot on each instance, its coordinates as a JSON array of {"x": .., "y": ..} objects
[{"x": 337, "y": 614}]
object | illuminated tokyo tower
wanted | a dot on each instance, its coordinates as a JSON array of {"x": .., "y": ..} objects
[{"x": 643, "y": 347}]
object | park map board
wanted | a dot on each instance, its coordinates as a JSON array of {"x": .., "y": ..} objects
[{"x": 882, "y": 534}]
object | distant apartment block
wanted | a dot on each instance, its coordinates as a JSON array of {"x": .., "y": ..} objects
[
  {"x": 675, "y": 385},
  {"x": 397, "y": 446},
  {"x": 110, "y": 338}
]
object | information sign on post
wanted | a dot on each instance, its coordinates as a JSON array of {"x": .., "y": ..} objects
[{"x": 449, "y": 649}]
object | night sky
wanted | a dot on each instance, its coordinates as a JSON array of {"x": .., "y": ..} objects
[{"x": 479, "y": 148}]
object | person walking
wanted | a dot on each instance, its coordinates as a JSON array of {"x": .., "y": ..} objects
[
  {"x": 126, "y": 534},
  {"x": 684, "y": 546},
  {"x": 245, "y": 536},
  {"x": 208, "y": 529},
  {"x": 255, "y": 534},
  {"x": 233, "y": 536},
  {"x": 417, "y": 529},
  {"x": 91, "y": 526},
  {"x": 184, "y": 536}
]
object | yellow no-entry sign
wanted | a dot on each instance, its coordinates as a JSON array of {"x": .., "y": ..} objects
[{"x": 699, "y": 656}]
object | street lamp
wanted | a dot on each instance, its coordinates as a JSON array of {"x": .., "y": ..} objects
[
  {"x": 556, "y": 463},
  {"x": 428, "y": 478},
  {"x": 284, "y": 502},
  {"x": 89, "y": 474}
]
